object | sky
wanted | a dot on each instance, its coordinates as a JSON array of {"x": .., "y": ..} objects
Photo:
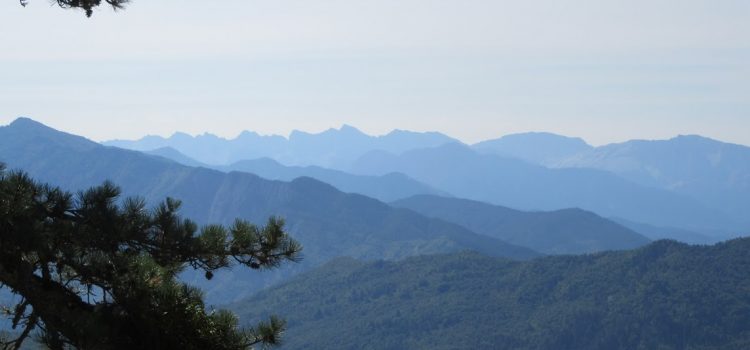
[{"x": 603, "y": 70}]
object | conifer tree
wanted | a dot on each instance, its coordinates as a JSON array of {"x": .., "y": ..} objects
[
  {"x": 94, "y": 271},
  {"x": 86, "y": 5}
]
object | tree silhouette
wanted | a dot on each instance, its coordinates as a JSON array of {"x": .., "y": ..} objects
[
  {"x": 93, "y": 271},
  {"x": 86, "y": 5}
]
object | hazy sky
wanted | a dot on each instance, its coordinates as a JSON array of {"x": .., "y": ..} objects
[{"x": 475, "y": 69}]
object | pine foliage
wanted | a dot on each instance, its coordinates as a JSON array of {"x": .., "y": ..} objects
[
  {"x": 86, "y": 5},
  {"x": 94, "y": 271}
]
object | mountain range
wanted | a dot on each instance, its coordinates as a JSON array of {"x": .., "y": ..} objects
[
  {"x": 332, "y": 223},
  {"x": 333, "y": 148},
  {"x": 515, "y": 183},
  {"x": 535, "y": 147},
  {"x": 566, "y": 231},
  {"x": 713, "y": 172},
  {"x": 666, "y": 295},
  {"x": 388, "y": 187},
  {"x": 421, "y": 242},
  {"x": 703, "y": 182},
  {"x": 327, "y": 222},
  {"x": 394, "y": 186}
]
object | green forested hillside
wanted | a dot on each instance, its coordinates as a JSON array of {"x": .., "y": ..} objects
[
  {"x": 567, "y": 231},
  {"x": 666, "y": 295}
]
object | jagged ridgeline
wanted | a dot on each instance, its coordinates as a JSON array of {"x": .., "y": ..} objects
[
  {"x": 663, "y": 296},
  {"x": 327, "y": 222}
]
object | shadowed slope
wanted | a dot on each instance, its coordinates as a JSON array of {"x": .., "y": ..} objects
[
  {"x": 514, "y": 183},
  {"x": 666, "y": 295},
  {"x": 567, "y": 231}
]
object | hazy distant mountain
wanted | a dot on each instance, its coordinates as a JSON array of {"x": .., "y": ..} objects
[
  {"x": 388, "y": 187},
  {"x": 208, "y": 148},
  {"x": 666, "y": 295},
  {"x": 338, "y": 148},
  {"x": 678, "y": 234},
  {"x": 328, "y": 223},
  {"x": 534, "y": 147},
  {"x": 713, "y": 172},
  {"x": 514, "y": 183},
  {"x": 177, "y": 156},
  {"x": 567, "y": 231},
  {"x": 333, "y": 148}
]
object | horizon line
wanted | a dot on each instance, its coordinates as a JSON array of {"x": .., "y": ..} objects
[{"x": 345, "y": 126}]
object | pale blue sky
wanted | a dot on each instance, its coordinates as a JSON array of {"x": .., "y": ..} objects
[{"x": 475, "y": 69}]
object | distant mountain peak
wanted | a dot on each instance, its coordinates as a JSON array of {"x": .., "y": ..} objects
[
  {"x": 681, "y": 138},
  {"x": 694, "y": 138},
  {"x": 248, "y": 133},
  {"x": 296, "y": 134},
  {"x": 180, "y": 135},
  {"x": 349, "y": 129},
  {"x": 402, "y": 132},
  {"x": 398, "y": 132},
  {"x": 344, "y": 130},
  {"x": 207, "y": 135},
  {"x": 690, "y": 136},
  {"x": 543, "y": 148},
  {"x": 539, "y": 136},
  {"x": 27, "y": 123},
  {"x": 28, "y": 129}
]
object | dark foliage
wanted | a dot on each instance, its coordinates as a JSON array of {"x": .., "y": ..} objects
[
  {"x": 96, "y": 272},
  {"x": 666, "y": 295},
  {"x": 86, "y": 5}
]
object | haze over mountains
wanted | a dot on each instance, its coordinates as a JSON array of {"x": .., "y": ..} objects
[
  {"x": 462, "y": 258},
  {"x": 386, "y": 188},
  {"x": 535, "y": 147},
  {"x": 687, "y": 183},
  {"x": 457, "y": 170},
  {"x": 567, "y": 231},
  {"x": 517, "y": 184},
  {"x": 716, "y": 173},
  {"x": 323, "y": 216},
  {"x": 334, "y": 148},
  {"x": 327, "y": 222},
  {"x": 375, "y": 175}
]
